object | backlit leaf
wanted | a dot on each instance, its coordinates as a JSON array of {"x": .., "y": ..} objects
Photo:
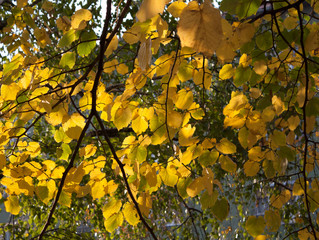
[
  {"x": 130, "y": 214},
  {"x": 226, "y": 72},
  {"x": 176, "y": 8},
  {"x": 113, "y": 222},
  {"x": 79, "y": 19},
  {"x": 68, "y": 60},
  {"x": 200, "y": 27},
  {"x": 12, "y": 205},
  {"x": 149, "y": 8},
  {"x": 88, "y": 40}
]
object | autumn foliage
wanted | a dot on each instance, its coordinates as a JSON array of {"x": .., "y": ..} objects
[{"x": 162, "y": 120}]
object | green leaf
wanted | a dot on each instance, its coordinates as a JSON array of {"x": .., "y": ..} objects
[
  {"x": 68, "y": 38},
  {"x": 113, "y": 222},
  {"x": 207, "y": 200},
  {"x": 286, "y": 152},
  {"x": 242, "y": 75},
  {"x": 227, "y": 164},
  {"x": 255, "y": 226},
  {"x": 221, "y": 209},
  {"x": 65, "y": 199},
  {"x": 141, "y": 154},
  {"x": 264, "y": 41},
  {"x": 312, "y": 107},
  {"x": 85, "y": 48},
  {"x": 67, "y": 60},
  {"x": 208, "y": 157},
  {"x": 182, "y": 186},
  {"x": 241, "y": 8}
]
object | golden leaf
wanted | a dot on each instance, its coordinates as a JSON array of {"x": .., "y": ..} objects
[
  {"x": 149, "y": 9},
  {"x": 130, "y": 214},
  {"x": 226, "y": 72},
  {"x": 12, "y": 205},
  {"x": 226, "y": 147},
  {"x": 145, "y": 54},
  {"x": 79, "y": 19},
  {"x": 200, "y": 27},
  {"x": 176, "y": 8}
]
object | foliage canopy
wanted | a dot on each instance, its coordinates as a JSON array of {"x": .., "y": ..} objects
[{"x": 164, "y": 119}]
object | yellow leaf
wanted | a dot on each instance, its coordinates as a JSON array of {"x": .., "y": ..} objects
[
  {"x": 112, "y": 45},
  {"x": 185, "y": 99},
  {"x": 227, "y": 164},
  {"x": 47, "y": 6},
  {"x": 113, "y": 206},
  {"x": 226, "y": 147},
  {"x": 208, "y": 180},
  {"x": 113, "y": 222},
  {"x": 268, "y": 114},
  {"x": 12, "y": 205},
  {"x": 200, "y": 27},
  {"x": 225, "y": 51},
  {"x": 145, "y": 54},
  {"x": 65, "y": 199},
  {"x": 145, "y": 203},
  {"x": 299, "y": 187},
  {"x": 255, "y": 154},
  {"x": 122, "y": 117},
  {"x": 176, "y": 8},
  {"x": 226, "y": 72},
  {"x": 281, "y": 199},
  {"x": 207, "y": 201},
  {"x": 79, "y": 19},
  {"x": 60, "y": 136},
  {"x": 73, "y": 125},
  {"x": 195, "y": 187},
  {"x": 3, "y": 161},
  {"x": 278, "y": 105},
  {"x": 255, "y": 93},
  {"x": 149, "y": 9},
  {"x": 273, "y": 220},
  {"x": 21, "y": 3},
  {"x": 98, "y": 189},
  {"x": 168, "y": 177},
  {"x": 293, "y": 122},
  {"x": 57, "y": 172},
  {"x": 185, "y": 135},
  {"x": 174, "y": 119},
  {"x": 255, "y": 225},
  {"x": 111, "y": 187},
  {"x": 244, "y": 60},
  {"x": 9, "y": 92},
  {"x": 130, "y": 214},
  {"x": 260, "y": 67},
  {"x": 122, "y": 69},
  {"x": 63, "y": 23},
  {"x": 110, "y": 66},
  {"x": 251, "y": 168},
  {"x": 132, "y": 35},
  {"x": 139, "y": 124},
  {"x": 87, "y": 151}
]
